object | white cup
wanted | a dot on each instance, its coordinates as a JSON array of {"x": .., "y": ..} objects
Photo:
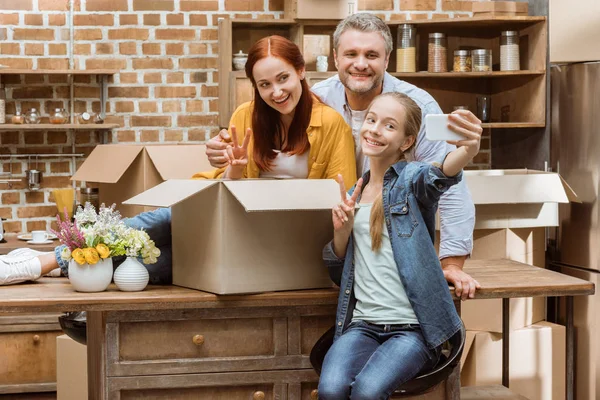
[{"x": 39, "y": 236}]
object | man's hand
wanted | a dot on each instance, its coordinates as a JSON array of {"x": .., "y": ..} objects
[
  {"x": 464, "y": 285},
  {"x": 216, "y": 148}
]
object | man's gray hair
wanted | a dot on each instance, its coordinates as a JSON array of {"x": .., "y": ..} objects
[{"x": 364, "y": 22}]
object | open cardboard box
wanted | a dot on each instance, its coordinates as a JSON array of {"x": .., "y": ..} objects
[
  {"x": 513, "y": 209},
  {"x": 121, "y": 171},
  {"x": 247, "y": 236},
  {"x": 71, "y": 369}
]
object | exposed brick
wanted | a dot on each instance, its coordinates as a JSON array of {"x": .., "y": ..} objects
[
  {"x": 198, "y": 20},
  {"x": 34, "y": 197},
  {"x": 398, "y": 17},
  {"x": 37, "y": 211},
  {"x": 453, "y": 5},
  {"x": 152, "y": 19},
  {"x": 149, "y": 136},
  {"x": 128, "y": 48},
  {"x": 83, "y": 49},
  {"x": 34, "y": 49},
  {"x": 33, "y": 34},
  {"x": 60, "y": 167},
  {"x": 86, "y": 92},
  {"x": 197, "y": 63},
  {"x": 56, "y": 19},
  {"x": 174, "y": 92},
  {"x": 106, "y": 5},
  {"x": 93, "y": 20},
  {"x": 17, "y": 167},
  {"x": 440, "y": 15},
  {"x": 171, "y": 106},
  {"x": 482, "y": 158},
  {"x": 153, "y": 5},
  {"x": 57, "y": 49},
  {"x": 150, "y": 121},
  {"x": 196, "y": 120},
  {"x": 209, "y": 34},
  {"x": 33, "y": 79},
  {"x": 32, "y": 92},
  {"x": 370, "y": 5},
  {"x": 128, "y": 33},
  {"x": 11, "y": 198},
  {"x": 173, "y": 136},
  {"x": 88, "y": 34},
  {"x": 418, "y": 5},
  {"x": 152, "y": 77},
  {"x": 126, "y": 136},
  {"x": 53, "y": 63},
  {"x": 199, "y": 77},
  {"x": 104, "y": 48},
  {"x": 199, "y": 5},
  {"x": 175, "y": 34},
  {"x": 112, "y": 119},
  {"x": 9, "y": 19},
  {"x": 148, "y": 106},
  {"x": 244, "y": 5},
  {"x": 6, "y": 212},
  {"x": 215, "y": 18},
  {"x": 415, "y": 16},
  {"x": 109, "y": 63},
  {"x": 12, "y": 227},
  {"x": 209, "y": 91},
  {"x": 124, "y": 106},
  {"x": 53, "y": 5},
  {"x": 194, "y": 106},
  {"x": 151, "y": 49},
  {"x": 35, "y": 138},
  {"x": 128, "y": 19},
  {"x": 196, "y": 135},
  {"x": 152, "y": 63},
  {"x": 36, "y": 225},
  {"x": 175, "y": 19},
  {"x": 275, "y": 5},
  {"x": 34, "y": 19},
  {"x": 10, "y": 48},
  {"x": 175, "y": 77},
  {"x": 213, "y": 105},
  {"x": 128, "y": 77},
  {"x": 174, "y": 49},
  {"x": 134, "y": 92}
]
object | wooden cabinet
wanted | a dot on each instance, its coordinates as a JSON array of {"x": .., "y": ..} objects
[{"x": 518, "y": 98}]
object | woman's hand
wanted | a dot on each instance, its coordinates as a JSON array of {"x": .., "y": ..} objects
[
  {"x": 343, "y": 213},
  {"x": 217, "y": 147},
  {"x": 236, "y": 155},
  {"x": 465, "y": 123}
]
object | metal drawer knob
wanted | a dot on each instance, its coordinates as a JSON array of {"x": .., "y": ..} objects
[
  {"x": 198, "y": 340},
  {"x": 314, "y": 395},
  {"x": 36, "y": 338},
  {"x": 258, "y": 395}
]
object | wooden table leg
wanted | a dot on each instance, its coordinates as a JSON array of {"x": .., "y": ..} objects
[
  {"x": 96, "y": 355},
  {"x": 570, "y": 351},
  {"x": 505, "y": 341}
]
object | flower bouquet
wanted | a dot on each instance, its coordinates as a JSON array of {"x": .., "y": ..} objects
[{"x": 93, "y": 239}]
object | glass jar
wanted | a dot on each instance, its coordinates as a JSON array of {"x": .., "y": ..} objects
[
  {"x": 406, "y": 53},
  {"x": 482, "y": 60},
  {"x": 33, "y": 116},
  {"x": 17, "y": 119},
  {"x": 437, "y": 60},
  {"x": 90, "y": 195},
  {"x": 509, "y": 51},
  {"x": 85, "y": 118},
  {"x": 462, "y": 61},
  {"x": 59, "y": 116}
]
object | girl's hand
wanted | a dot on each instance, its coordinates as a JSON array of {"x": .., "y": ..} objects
[
  {"x": 236, "y": 155},
  {"x": 468, "y": 125},
  {"x": 343, "y": 213}
]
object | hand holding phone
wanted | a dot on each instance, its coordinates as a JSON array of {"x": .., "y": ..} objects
[{"x": 436, "y": 128}]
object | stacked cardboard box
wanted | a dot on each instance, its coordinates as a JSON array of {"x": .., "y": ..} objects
[{"x": 71, "y": 369}]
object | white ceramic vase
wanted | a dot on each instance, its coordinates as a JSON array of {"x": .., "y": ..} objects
[
  {"x": 131, "y": 275},
  {"x": 91, "y": 278}
]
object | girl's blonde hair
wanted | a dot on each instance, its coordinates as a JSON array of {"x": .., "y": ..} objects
[{"x": 412, "y": 125}]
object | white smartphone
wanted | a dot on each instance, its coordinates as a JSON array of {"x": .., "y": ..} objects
[{"x": 436, "y": 128}]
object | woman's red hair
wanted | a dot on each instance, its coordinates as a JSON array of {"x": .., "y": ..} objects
[{"x": 267, "y": 127}]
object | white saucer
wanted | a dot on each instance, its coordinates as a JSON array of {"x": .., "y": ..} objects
[
  {"x": 27, "y": 236},
  {"x": 44, "y": 242}
]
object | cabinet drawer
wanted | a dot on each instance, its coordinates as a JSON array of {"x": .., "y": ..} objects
[
  {"x": 311, "y": 329},
  {"x": 28, "y": 357},
  {"x": 250, "y": 392}
]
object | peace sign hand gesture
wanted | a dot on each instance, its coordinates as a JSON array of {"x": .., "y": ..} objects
[
  {"x": 236, "y": 155},
  {"x": 343, "y": 213}
]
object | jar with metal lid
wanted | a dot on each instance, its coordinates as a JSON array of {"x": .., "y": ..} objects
[
  {"x": 509, "y": 51},
  {"x": 482, "y": 60},
  {"x": 17, "y": 119},
  {"x": 437, "y": 60},
  {"x": 462, "y": 61},
  {"x": 406, "y": 53},
  {"x": 33, "y": 117},
  {"x": 90, "y": 195},
  {"x": 59, "y": 116}
]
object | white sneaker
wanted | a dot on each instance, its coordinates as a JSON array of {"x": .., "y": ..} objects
[
  {"x": 16, "y": 269},
  {"x": 26, "y": 251}
]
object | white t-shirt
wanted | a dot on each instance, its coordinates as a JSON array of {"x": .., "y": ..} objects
[
  {"x": 362, "y": 163},
  {"x": 285, "y": 166}
]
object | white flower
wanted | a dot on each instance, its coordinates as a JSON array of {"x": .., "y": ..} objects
[{"x": 65, "y": 254}]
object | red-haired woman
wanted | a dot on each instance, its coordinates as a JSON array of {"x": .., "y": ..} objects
[{"x": 286, "y": 132}]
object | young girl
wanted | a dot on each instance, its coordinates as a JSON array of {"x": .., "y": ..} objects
[{"x": 394, "y": 309}]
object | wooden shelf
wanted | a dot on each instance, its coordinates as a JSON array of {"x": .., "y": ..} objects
[
  {"x": 510, "y": 125},
  {"x": 56, "y": 127},
  {"x": 495, "y": 392},
  {"x": 15, "y": 71},
  {"x": 262, "y": 22},
  {"x": 474, "y": 22},
  {"x": 468, "y": 75}
]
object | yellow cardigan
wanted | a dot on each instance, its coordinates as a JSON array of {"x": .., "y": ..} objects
[{"x": 331, "y": 145}]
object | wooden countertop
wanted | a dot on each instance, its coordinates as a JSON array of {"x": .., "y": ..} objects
[
  {"x": 498, "y": 279},
  {"x": 13, "y": 243}
]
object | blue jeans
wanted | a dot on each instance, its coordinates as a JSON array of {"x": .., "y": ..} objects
[
  {"x": 370, "y": 361},
  {"x": 157, "y": 224}
]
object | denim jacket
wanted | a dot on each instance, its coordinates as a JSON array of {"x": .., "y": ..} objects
[{"x": 410, "y": 196}]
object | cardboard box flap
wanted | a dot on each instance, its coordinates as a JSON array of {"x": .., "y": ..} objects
[
  {"x": 170, "y": 192},
  {"x": 570, "y": 192},
  {"x": 107, "y": 164},
  {"x": 285, "y": 194},
  {"x": 178, "y": 162},
  {"x": 517, "y": 187}
]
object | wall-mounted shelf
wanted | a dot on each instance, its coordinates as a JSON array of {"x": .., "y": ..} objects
[
  {"x": 509, "y": 125},
  {"x": 15, "y": 71},
  {"x": 56, "y": 127}
]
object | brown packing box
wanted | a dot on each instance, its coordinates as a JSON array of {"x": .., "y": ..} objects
[
  {"x": 574, "y": 30},
  {"x": 260, "y": 235},
  {"x": 513, "y": 7},
  {"x": 71, "y": 369},
  {"x": 537, "y": 361},
  {"x": 122, "y": 171},
  {"x": 324, "y": 9},
  {"x": 586, "y": 319},
  {"x": 513, "y": 207}
]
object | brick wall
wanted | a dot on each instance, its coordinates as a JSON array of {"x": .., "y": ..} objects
[{"x": 166, "y": 91}]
